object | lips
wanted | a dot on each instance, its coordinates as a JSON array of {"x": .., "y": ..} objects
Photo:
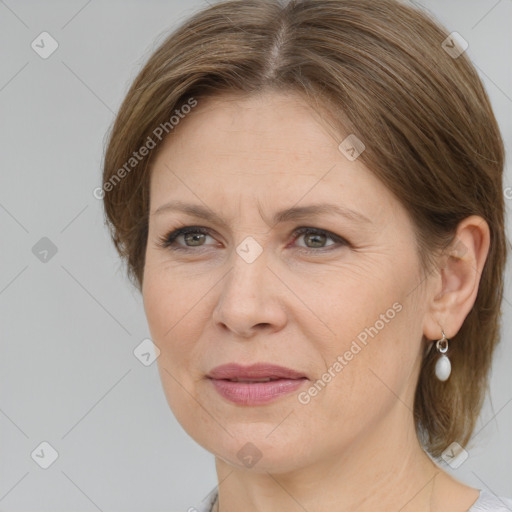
[
  {"x": 258, "y": 384},
  {"x": 259, "y": 372}
]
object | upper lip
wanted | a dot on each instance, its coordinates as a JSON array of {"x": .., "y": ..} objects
[{"x": 254, "y": 371}]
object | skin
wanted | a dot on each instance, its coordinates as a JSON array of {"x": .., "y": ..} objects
[{"x": 353, "y": 447}]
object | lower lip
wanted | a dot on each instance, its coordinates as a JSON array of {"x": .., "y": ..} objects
[{"x": 254, "y": 393}]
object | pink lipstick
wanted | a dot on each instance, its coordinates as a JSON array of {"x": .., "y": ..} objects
[{"x": 256, "y": 384}]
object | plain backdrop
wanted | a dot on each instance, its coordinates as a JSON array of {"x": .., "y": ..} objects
[{"x": 70, "y": 320}]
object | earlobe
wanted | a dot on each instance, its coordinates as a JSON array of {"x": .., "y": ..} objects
[{"x": 459, "y": 271}]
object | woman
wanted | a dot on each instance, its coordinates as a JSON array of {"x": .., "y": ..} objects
[{"x": 309, "y": 197}]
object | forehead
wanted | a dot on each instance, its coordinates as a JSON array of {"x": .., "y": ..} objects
[
  {"x": 259, "y": 123},
  {"x": 255, "y": 125},
  {"x": 274, "y": 147}
]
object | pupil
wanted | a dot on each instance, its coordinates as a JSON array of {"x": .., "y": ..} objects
[
  {"x": 193, "y": 237},
  {"x": 317, "y": 237}
]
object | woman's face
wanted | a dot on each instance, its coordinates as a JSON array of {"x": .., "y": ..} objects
[{"x": 340, "y": 303}]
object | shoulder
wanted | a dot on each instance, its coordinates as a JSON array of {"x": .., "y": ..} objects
[
  {"x": 206, "y": 504},
  {"x": 488, "y": 502}
]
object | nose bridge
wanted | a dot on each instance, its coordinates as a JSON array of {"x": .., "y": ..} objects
[
  {"x": 249, "y": 267},
  {"x": 244, "y": 300}
]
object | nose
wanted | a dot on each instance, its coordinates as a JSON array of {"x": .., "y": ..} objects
[{"x": 251, "y": 299}]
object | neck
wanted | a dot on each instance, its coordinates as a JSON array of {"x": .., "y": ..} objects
[{"x": 385, "y": 469}]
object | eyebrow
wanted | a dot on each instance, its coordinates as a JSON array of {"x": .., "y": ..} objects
[{"x": 290, "y": 214}]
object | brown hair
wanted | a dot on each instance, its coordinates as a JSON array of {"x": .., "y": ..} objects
[{"x": 381, "y": 69}]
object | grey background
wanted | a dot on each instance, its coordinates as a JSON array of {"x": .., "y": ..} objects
[{"x": 69, "y": 326}]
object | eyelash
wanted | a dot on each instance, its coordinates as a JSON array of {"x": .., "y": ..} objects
[{"x": 167, "y": 241}]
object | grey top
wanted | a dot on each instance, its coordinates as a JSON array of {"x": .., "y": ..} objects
[{"x": 486, "y": 502}]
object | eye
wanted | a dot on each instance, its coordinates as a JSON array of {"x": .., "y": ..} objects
[
  {"x": 316, "y": 238},
  {"x": 195, "y": 236}
]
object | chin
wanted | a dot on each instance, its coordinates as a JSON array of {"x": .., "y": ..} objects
[{"x": 259, "y": 448}]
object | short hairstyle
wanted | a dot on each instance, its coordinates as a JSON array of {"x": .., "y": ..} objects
[{"x": 383, "y": 72}]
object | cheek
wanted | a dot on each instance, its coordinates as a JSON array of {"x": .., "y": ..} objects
[
  {"x": 166, "y": 301},
  {"x": 364, "y": 383},
  {"x": 370, "y": 351},
  {"x": 166, "y": 312},
  {"x": 176, "y": 313}
]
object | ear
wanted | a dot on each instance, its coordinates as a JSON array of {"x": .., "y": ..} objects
[{"x": 455, "y": 284}]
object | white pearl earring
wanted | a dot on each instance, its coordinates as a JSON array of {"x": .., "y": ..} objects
[{"x": 443, "y": 365}]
